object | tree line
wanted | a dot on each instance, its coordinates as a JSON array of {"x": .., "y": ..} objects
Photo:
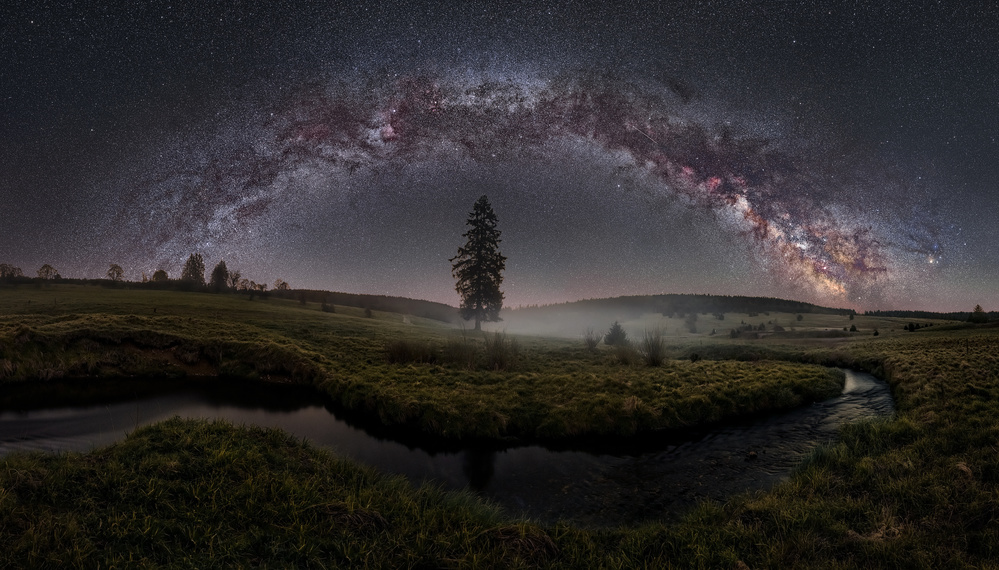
[{"x": 192, "y": 278}]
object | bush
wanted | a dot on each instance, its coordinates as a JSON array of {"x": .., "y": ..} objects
[
  {"x": 691, "y": 323},
  {"x": 591, "y": 339},
  {"x": 653, "y": 347},
  {"x": 616, "y": 336}
]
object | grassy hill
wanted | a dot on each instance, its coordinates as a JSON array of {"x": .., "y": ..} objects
[{"x": 918, "y": 490}]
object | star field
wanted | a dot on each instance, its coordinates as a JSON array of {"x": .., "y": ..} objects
[{"x": 838, "y": 154}]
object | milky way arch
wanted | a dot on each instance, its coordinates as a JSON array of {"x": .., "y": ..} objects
[{"x": 780, "y": 202}]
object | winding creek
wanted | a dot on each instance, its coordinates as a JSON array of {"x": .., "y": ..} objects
[{"x": 652, "y": 477}]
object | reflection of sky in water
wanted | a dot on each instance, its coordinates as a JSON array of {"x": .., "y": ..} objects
[{"x": 586, "y": 487}]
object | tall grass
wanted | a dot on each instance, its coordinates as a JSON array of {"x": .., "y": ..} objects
[
  {"x": 653, "y": 347},
  {"x": 406, "y": 351},
  {"x": 501, "y": 351},
  {"x": 461, "y": 350}
]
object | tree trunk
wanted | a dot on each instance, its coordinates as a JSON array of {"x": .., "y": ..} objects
[{"x": 478, "y": 324}]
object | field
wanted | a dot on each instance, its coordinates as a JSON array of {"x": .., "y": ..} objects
[
  {"x": 916, "y": 490},
  {"x": 407, "y": 372}
]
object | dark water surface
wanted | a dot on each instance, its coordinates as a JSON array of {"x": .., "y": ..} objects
[{"x": 605, "y": 485}]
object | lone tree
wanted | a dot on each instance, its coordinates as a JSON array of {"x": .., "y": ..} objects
[
  {"x": 616, "y": 336},
  {"x": 220, "y": 278},
  {"x": 47, "y": 272},
  {"x": 194, "y": 270},
  {"x": 160, "y": 276},
  {"x": 115, "y": 272},
  {"x": 479, "y": 265},
  {"x": 978, "y": 315}
]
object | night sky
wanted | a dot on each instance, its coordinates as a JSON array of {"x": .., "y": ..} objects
[{"x": 843, "y": 153}]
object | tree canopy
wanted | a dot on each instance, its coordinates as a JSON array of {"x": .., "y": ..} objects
[
  {"x": 220, "y": 278},
  {"x": 115, "y": 272},
  {"x": 8, "y": 271},
  {"x": 47, "y": 272},
  {"x": 478, "y": 267},
  {"x": 979, "y": 315},
  {"x": 194, "y": 270}
]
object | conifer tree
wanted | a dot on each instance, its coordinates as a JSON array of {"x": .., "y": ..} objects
[
  {"x": 479, "y": 265},
  {"x": 220, "y": 278},
  {"x": 979, "y": 315},
  {"x": 194, "y": 270}
]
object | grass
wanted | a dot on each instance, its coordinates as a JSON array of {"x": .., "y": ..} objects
[
  {"x": 918, "y": 490},
  {"x": 404, "y": 371}
]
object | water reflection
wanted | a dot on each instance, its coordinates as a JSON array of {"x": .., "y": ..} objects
[
  {"x": 653, "y": 477},
  {"x": 479, "y": 466}
]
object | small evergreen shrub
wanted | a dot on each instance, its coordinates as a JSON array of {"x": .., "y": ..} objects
[{"x": 616, "y": 336}]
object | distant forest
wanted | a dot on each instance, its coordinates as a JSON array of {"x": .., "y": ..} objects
[
  {"x": 402, "y": 305},
  {"x": 669, "y": 305},
  {"x": 956, "y": 316},
  {"x": 676, "y": 305}
]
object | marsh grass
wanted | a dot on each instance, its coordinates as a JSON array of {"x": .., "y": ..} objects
[
  {"x": 401, "y": 370},
  {"x": 918, "y": 490},
  {"x": 501, "y": 351},
  {"x": 653, "y": 347},
  {"x": 461, "y": 350},
  {"x": 405, "y": 351}
]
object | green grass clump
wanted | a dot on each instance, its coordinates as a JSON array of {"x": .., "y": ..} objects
[
  {"x": 196, "y": 494},
  {"x": 653, "y": 347}
]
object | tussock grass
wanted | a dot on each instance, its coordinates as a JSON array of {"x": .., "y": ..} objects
[
  {"x": 419, "y": 374},
  {"x": 653, "y": 347},
  {"x": 501, "y": 351},
  {"x": 917, "y": 490}
]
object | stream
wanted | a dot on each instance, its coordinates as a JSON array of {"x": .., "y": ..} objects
[{"x": 647, "y": 478}]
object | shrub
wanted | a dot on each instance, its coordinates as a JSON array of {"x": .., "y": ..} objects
[
  {"x": 653, "y": 347},
  {"x": 691, "y": 323},
  {"x": 591, "y": 339},
  {"x": 616, "y": 336}
]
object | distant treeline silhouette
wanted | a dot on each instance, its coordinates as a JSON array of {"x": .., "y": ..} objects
[
  {"x": 676, "y": 305},
  {"x": 401, "y": 305},
  {"x": 954, "y": 316}
]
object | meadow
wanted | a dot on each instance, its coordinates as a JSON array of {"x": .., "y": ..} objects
[
  {"x": 915, "y": 490},
  {"x": 406, "y": 372}
]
